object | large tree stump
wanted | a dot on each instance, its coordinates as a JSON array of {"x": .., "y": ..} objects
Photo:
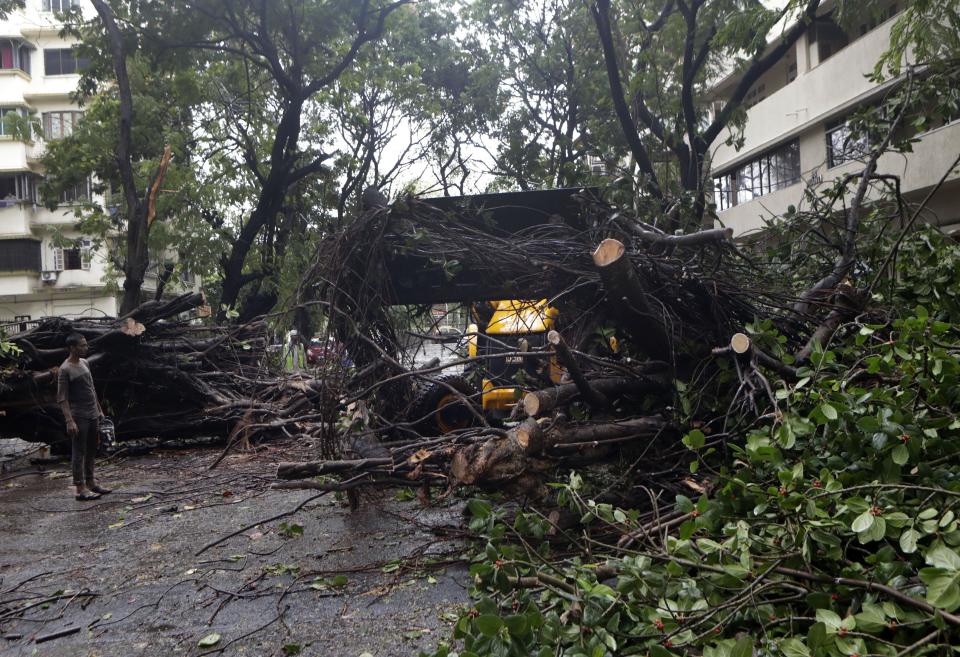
[{"x": 629, "y": 300}]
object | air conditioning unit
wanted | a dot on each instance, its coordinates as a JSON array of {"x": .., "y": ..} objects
[{"x": 49, "y": 276}]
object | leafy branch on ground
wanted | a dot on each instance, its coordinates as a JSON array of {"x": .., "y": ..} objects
[{"x": 829, "y": 527}]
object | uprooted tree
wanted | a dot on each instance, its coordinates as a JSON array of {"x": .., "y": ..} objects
[{"x": 801, "y": 386}]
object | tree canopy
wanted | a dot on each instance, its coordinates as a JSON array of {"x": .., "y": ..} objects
[{"x": 279, "y": 115}]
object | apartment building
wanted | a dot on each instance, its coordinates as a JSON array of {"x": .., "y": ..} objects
[
  {"x": 797, "y": 135},
  {"x": 47, "y": 267}
]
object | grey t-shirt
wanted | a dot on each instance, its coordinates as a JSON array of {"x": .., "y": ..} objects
[{"x": 75, "y": 386}]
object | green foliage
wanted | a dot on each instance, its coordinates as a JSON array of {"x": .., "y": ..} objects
[
  {"x": 831, "y": 529},
  {"x": 291, "y": 530},
  {"x": 8, "y": 6},
  {"x": 20, "y": 127},
  {"x": 928, "y": 31}
]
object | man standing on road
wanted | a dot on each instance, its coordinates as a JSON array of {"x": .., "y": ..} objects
[{"x": 82, "y": 414}]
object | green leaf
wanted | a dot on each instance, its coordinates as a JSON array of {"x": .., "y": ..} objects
[
  {"x": 817, "y": 636},
  {"x": 517, "y": 625},
  {"x": 876, "y": 532},
  {"x": 908, "y": 540},
  {"x": 900, "y": 454},
  {"x": 743, "y": 647},
  {"x": 794, "y": 648},
  {"x": 209, "y": 641},
  {"x": 479, "y": 508},
  {"x": 871, "y": 619},
  {"x": 695, "y": 439},
  {"x": 863, "y": 522},
  {"x": 488, "y": 624},
  {"x": 943, "y": 588},
  {"x": 829, "y": 411},
  {"x": 830, "y": 619},
  {"x": 940, "y": 556}
]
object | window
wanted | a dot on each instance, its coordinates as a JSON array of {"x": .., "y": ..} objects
[
  {"x": 597, "y": 166},
  {"x": 756, "y": 94},
  {"x": 24, "y": 59},
  {"x": 57, "y": 125},
  {"x": 791, "y": 72},
  {"x": 14, "y": 54},
  {"x": 875, "y": 18},
  {"x": 58, "y": 5},
  {"x": 828, "y": 38},
  {"x": 15, "y": 188},
  {"x": 773, "y": 170},
  {"x": 723, "y": 191},
  {"x": 8, "y": 120},
  {"x": 844, "y": 144},
  {"x": 62, "y": 61},
  {"x": 78, "y": 192},
  {"x": 20, "y": 255},
  {"x": 77, "y": 257}
]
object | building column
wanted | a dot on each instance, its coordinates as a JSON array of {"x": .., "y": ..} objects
[{"x": 803, "y": 54}]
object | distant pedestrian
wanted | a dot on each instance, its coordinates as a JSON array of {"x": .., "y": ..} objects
[
  {"x": 295, "y": 358},
  {"x": 82, "y": 414}
]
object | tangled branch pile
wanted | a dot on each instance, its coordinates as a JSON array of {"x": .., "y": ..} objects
[
  {"x": 159, "y": 375},
  {"x": 666, "y": 302}
]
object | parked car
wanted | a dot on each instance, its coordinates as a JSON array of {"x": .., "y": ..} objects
[
  {"x": 320, "y": 352},
  {"x": 448, "y": 334}
]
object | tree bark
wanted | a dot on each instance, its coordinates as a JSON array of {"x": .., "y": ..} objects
[
  {"x": 566, "y": 358},
  {"x": 541, "y": 402},
  {"x": 628, "y": 299},
  {"x": 137, "y": 257}
]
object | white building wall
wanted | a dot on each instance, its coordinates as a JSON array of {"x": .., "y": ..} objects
[
  {"x": 823, "y": 92},
  {"x": 73, "y": 292}
]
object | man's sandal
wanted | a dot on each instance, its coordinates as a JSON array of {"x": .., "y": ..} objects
[
  {"x": 87, "y": 496},
  {"x": 101, "y": 490}
]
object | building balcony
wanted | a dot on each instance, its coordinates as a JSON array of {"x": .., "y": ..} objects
[
  {"x": 34, "y": 152},
  {"x": 14, "y": 218},
  {"x": 62, "y": 216},
  {"x": 74, "y": 278},
  {"x": 753, "y": 215},
  {"x": 827, "y": 90},
  {"x": 13, "y": 155},
  {"x": 49, "y": 87},
  {"x": 18, "y": 283},
  {"x": 14, "y": 85}
]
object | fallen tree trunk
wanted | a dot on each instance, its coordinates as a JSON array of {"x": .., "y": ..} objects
[
  {"x": 308, "y": 469},
  {"x": 541, "y": 402}
]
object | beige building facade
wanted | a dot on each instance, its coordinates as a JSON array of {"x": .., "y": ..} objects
[
  {"x": 796, "y": 135},
  {"x": 47, "y": 266}
]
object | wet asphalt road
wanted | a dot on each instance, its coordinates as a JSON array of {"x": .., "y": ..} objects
[{"x": 135, "y": 550}]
